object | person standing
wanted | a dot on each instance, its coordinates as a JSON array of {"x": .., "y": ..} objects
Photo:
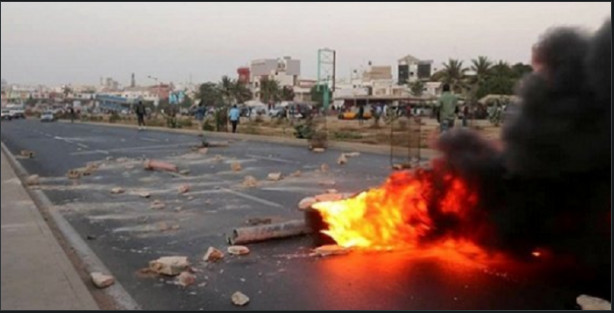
[
  {"x": 140, "y": 114},
  {"x": 234, "y": 117},
  {"x": 72, "y": 114},
  {"x": 446, "y": 106},
  {"x": 361, "y": 112}
]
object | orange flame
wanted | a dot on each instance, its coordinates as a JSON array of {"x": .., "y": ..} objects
[{"x": 397, "y": 216}]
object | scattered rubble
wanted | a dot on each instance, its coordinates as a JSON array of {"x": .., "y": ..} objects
[
  {"x": 352, "y": 154},
  {"x": 342, "y": 159},
  {"x": 162, "y": 226},
  {"x": 296, "y": 174},
  {"x": 318, "y": 150},
  {"x": 203, "y": 150},
  {"x": 144, "y": 194},
  {"x": 73, "y": 174},
  {"x": 122, "y": 160},
  {"x": 235, "y": 166},
  {"x": 185, "y": 279},
  {"x": 32, "y": 180},
  {"x": 239, "y": 299},
  {"x": 184, "y": 172},
  {"x": 101, "y": 280},
  {"x": 328, "y": 197},
  {"x": 593, "y": 303},
  {"x": 306, "y": 203},
  {"x": 238, "y": 250},
  {"x": 218, "y": 143},
  {"x": 213, "y": 255},
  {"x": 324, "y": 168},
  {"x": 327, "y": 183},
  {"x": 274, "y": 176},
  {"x": 169, "y": 265},
  {"x": 183, "y": 188},
  {"x": 27, "y": 153},
  {"x": 157, "y": 205},
  {"x": 250, "y": 181},
  {"x": 332, "y": 191},
  {"x": 327, "y": 250},
  {"x": 116, "y": 190},
  {"x": 218, "y": 158},
  {"x": 159, "y": 165},
  {"x": 129, "y": 166}
]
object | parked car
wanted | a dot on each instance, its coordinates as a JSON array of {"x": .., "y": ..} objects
[
  {"x": 47, "y": 116},
  {"x": 6, "y": 115},
  {"x": 16, "y": 111},
  {"x": 353, "y": 114}
]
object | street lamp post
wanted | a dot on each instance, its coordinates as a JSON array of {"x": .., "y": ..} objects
[{"x": 157, "y": 88}]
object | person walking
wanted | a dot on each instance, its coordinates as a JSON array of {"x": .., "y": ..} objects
[
  {"x": 446, "y": 107},
  {"x": 234, "y": 117},
  {"x": 140, "y": 114}
]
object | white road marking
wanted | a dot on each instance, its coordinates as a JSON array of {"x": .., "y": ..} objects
[
  {"x": 246, "y": 196},
  {"x": 82, "y": 145},
  {"x": 150, "y": 139},
  {"x": 262, "y": 157},
  {"x": 132, "y": 149}
]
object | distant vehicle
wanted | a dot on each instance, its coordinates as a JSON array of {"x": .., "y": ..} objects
[
  {"x": 16, "y": 111},
  {"x": 6, "y": 115},
  {"x": 276, "y": 111},
  {"x": 353, "y": 114},
  {"x": 47, "y": 116}
]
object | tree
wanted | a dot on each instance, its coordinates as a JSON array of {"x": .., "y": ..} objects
[
  {"x": 417, "y": 88},
  {"x": 66, "y": 90},
  {"x": 209, "y": 94},
  {"x": 227, "y": 90},
  {"x": 519, "y": 70},
  {"x": 453, "y": 73},
  {"x": 241, "y": 92},
  {"x": 482, "y": 68},
  {"x": 269, "y": 90},
  {"x": 287, "y": 93}
]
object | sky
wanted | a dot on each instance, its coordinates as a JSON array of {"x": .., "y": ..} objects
[{"x": 77, "y": 43}]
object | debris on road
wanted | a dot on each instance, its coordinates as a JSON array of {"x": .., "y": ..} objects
[
  {"x": 274, "y": 176},
  {"x": 90, "y": 237},
  {"x": 328, "y": 197},
  {"x": 306, "y": 203},
  {"x": 239, "y": 299},
  {"x": 238, "y": 250},
  {"x": 250, "y": 181},
  {"x": 122, "y": 160},
  {"x": 243, "y": 235},
  {"x": 593, "y": 303},
  {"x": 213, "y": 255},
  {"x": 218, "y": 144},
  {"x": 159, "y": 165},
  {"x": 116, "y": 190},
  {"x": 218, "y": 158},
  {"x": 327, "y": 250},
  {"x": 184, "y": 172},
  {"x": 169, "y": 265},
  {"x": 296, "y": 174},
  {"x": 144, "y": 194},
  {"x": 324, "y": 168},
  {"x": 342, "y": 159},
  {"x": 73, "y": 174},
  {"x": 235, "y": 166},
  {"x": 258, "y": 221},
  {"x": 162, "y": 226},
  {"x": 157, "y": 205},
  {"x": 183, "y": 188},
  {"x": 27, "y": 153},
  {"x": 185, "y": 279},
  {"x": 101, "y": 280},
  {"x": 129, "y": 166},
  {"x": 203, "y": 150},
  {"x": 332, "y": 191},
  {"x": 352, "y": 154},
  {"x": 318, "y": 150},
  {"x": 327, "y": 183},
  {"x": 32, "y": 180}
]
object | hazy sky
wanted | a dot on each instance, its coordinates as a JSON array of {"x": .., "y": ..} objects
[{"x": 58, "y": 43}]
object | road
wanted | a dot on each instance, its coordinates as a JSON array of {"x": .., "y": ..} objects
[{"x": 125, "y": 233}]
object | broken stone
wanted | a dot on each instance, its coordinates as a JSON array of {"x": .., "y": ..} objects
[
  {"x": 144, "y": 194},
  {"x": 213, "y": 255},
  {"x": 239, "y": 299},
  {"x": 117, "y": 190},
  {"x": 109, "y": 158},
  {"x": 27, "y": 153},
  {"x": 238, "y": 250},
  {"x": 203, "y": 150},
  {"x": 178, "y": 208},
  {"x": 318, "y": 150},
  {"x": 328, "y": 197},
  {"x": 327, "y": 183},
  {"x": 183, "y": 188},
  {"x": 190, "y": 198},
  {"x": 342, "y": 159},
  {"x": 331, "y": 190},
  {"x": 274, "y": 176},
  {"x": 159, "y": 165},
  {"x": 218, "y": 143},
  {"x": 101, "y": 280},
  {"x": 73, "y": 174},
  {"x": 175, "y": 227},
  {"x": 324, "y": 168},
  {"x": 129, "y": 166},
  {"x": 218, "y": 157},
  {"x": 296, "y": 174},
  {"x": 593, "y": 303},
  {"x": 306, "y": 203},
  {"x": 32, "y": 180},
  {"x": 235, "y": 166},
  {"x": 352, "y": 154},
  {"x": 185, "y": 279},
  {"x": 169, "y": 265},
  {"x": 162, "y": 226},
  {"x": 157, "y": 205},
  {"x": 250, "y": 181},
  {"x": 184, "y": 172},
  {"x": 327, "y": 250},
  {"x": 121, "y": 160}
]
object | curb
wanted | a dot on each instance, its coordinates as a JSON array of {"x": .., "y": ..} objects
[
  {"x": 360, "y": 147},
  {"x": 90, "y": 260}
]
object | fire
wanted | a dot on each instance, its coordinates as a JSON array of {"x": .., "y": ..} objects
[{"x": 401, "y": 214}]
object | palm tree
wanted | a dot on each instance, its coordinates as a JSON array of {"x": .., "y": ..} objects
[
  {"x": 287, "y": 93},
  {"x": 226, "y": 87},
  {"x": 482, "y": 68},
  {"x": 269, "y": 90},
  {"x": 453, "y": 73},
  {"x": 240, "y": 92}
]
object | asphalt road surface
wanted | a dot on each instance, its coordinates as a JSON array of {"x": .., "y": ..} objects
[{"x": 126, "y": 233}]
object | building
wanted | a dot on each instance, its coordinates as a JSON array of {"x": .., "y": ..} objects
[
  {"x": 302, "y": 91},
  {"x": 286, "y": 71},
  {"x": 411, "y": 69}
]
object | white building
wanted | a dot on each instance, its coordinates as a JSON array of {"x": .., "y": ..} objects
[
  {"x": 411, "y": 69},
  {"x": 286, "y": 71}
]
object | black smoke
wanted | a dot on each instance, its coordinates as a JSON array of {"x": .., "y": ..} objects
[{"x": 550, "y": 184}]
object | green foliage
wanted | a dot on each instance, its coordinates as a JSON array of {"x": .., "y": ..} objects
[
  {"x": 317, "y": 95},
  {"x": 417, "y": 88},
  {"x": 287, "y": 93},
  {"x": 270, "y": 91}
]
